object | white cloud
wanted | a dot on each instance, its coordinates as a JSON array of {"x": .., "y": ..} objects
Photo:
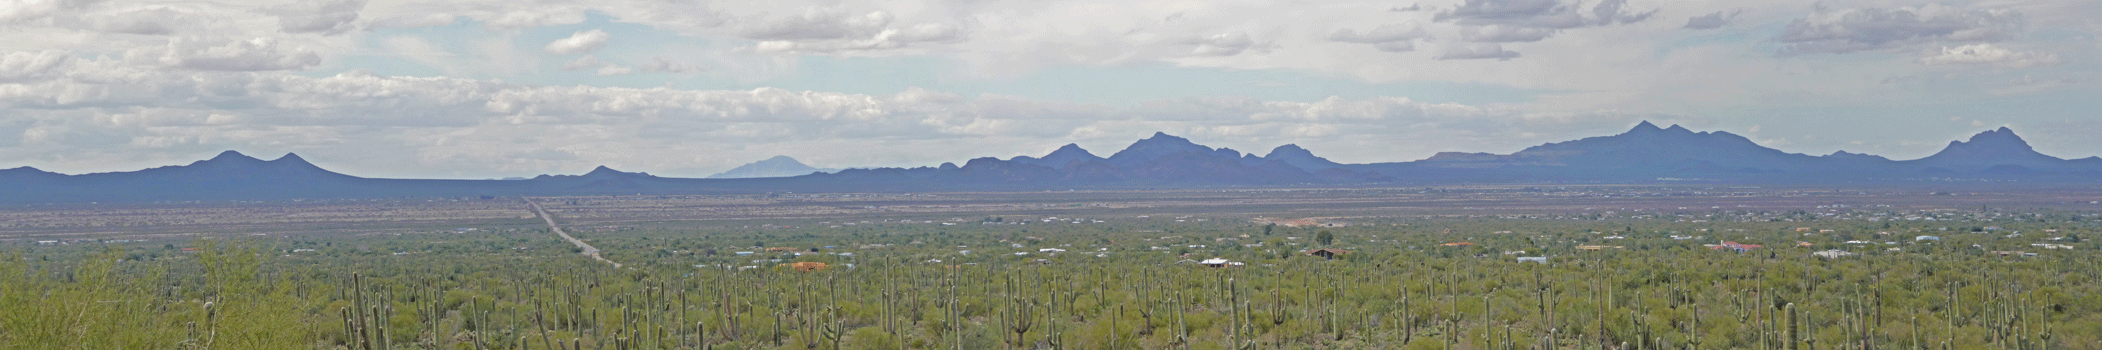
[
  {"x": 141, "y": 21},
  {"x": 587, "y": 61},
  {"x": 1223, "y": 44},
  {"x": 1712, "y": 20},
  {"x": 318, "y": 16},
  {"x": 1988, "y": 54},
  {"x": 257, "y": 54},
  {"x": 1505, "y": 34},
  {"x": 22, "y": 65},
  {"x": 1469, "y": 51},
  {"x": 1847, "y": 30},
  {"x": 440, "y": 126},
  {"x": 581, "y": 42},
  {"x": 1386, "y": 37}
]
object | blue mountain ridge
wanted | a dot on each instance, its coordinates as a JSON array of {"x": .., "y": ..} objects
[{"x": 1647, "y": 153}]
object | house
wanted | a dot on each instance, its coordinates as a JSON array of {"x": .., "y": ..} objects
[
  {"x": 1533, "y": 259},
  {"x": 1050, "y": 250},
  {"x": 1739, "y": 247},
  {"x": 1926, "y": 238},
  {"x": 46, "y": 242},
  {"x": 1457, "y": 244},
  {"x": 1832, "y": 254},
  {"x": 2011, "y": 253},
  {"x": 805, "y": 266},
  {"x": 1598, "y": 247},
  {"x": 1221, "y": 262},
  {"x": 1327, "y": 253}
]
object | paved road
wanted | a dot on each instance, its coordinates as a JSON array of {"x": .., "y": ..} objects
[{"x": 588, "y": 249}]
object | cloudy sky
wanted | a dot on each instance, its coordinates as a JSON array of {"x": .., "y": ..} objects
[{"x": 480, "y": 89}]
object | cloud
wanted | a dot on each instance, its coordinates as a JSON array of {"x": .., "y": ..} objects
[
  {"x": 587, "y": 61},
  {"x": 1988, "y": 54},
  {"x": 415, "y": 20},
  {"x": 323, "y": 16},
  {"x": 24, "y": 65},
  {"x": 1503, "y": 21},
  {"x": 15, "y": 11},
  {"x": 1223, "y": 44},
  {"x": 141, "y": 21},
  {"x": 532, "y": 16},
  {"x": 614, "y": 69},
  {"x": 1871, "y": 29},
  {"x": 660, "y": 64},
  {"x": 1504, "y": 34},
  {"x": 834, "y": 29},
  {"x": 1712, "y": 20},
  {"x": 106, "y": 110},
  {"x": 1470, "y": 51},
  {"x": 1381, "y": 34},
  {"x": 581, "y": 42},
  {"x": 1393, "y": 37},
  {"x": 257, "y": 54},
  {"x": 1552, "y": 14},
  {"x": 819, "y": 23}
]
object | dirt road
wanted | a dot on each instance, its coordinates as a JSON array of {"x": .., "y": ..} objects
[{"x": 588, "y": 249}]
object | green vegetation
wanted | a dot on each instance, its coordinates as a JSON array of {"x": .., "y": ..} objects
[{"x": 1116, "y": 282}]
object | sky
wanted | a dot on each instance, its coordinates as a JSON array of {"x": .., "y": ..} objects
[{"x": 488, "y": 89}]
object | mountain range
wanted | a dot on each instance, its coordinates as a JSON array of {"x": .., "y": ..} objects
[
  {"x": 1645, "y": 154},
  {"x": 778, "y": 166}
]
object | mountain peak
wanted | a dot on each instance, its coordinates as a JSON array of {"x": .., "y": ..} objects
[
  {"x": 778, "y": 166},
  {"x": 290, "y": 158},
  {"x": 602, "y": 171},
  {"x": 1645, "y": 126},
  {"x": 1998, "y": 139},
  {"x": 1162, "y": 144},
  {"x": 1299, "y": 157},
  {"x": 231, "y": 155},
  {"x": 1987, "y": 149}
]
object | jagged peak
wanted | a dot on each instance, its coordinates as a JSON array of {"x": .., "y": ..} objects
[
  {"x": 603, "y": 171},
  {"x": 1645, "y": 126},
  {"x": 1677, "y": 128},
  {"x": 2002, "y": 136},
  {"x": 1070, "y": 148},
  {"x": 1164, "y": 137},
  {"x": 232, "y": 155},
  {"x": 1288, "y": 149},
  {"x": 290, "y": 158}
]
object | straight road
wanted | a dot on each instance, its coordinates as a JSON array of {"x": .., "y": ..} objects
[{"x": 588, "y": 249}]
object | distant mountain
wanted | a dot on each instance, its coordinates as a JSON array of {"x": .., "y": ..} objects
[
  {"x": 1299, "y": 157},
  {"x": 1646, "y": 153},
  {"x": 1060, "y": 158},
  {"x": 1162, "y": 145},
  {"x": 778, "y": 166},
  {"x": 1993, "y": 148},
  {"x": 1646, "y": 149}
]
